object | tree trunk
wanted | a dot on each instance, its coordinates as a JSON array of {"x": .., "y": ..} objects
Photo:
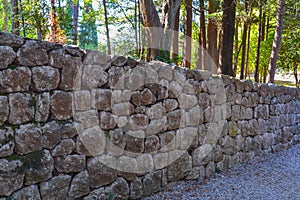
[
  {"x": 175, "y": 39},
  {"x": 295, "y": 66},
  {"x": 248, "y": 50},
  {"x": 15, "y": 18},
  {"x": 107, "y": 29},
  {"x": 53, "y": 36},
  {"x": 6, "y": 9},
  {"x": 188, "y": 34},
  {"x": 137, "y": 46},
  {"x": 228, "y": 22},
  {"x": 244, "y": 38},
  {"x": 212, "y": 36},
  {"x": 236, "y": 47},
  {"x": 277, "y": 40},
  {"x": 75, "y": 23},
  {"x": 202, "y": 40},
  {"x": 256, "y": 72},
  {"x": 38, "y": 25}
]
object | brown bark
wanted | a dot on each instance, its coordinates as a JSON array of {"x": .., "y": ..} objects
[
  {"x": 5, "y": 24},
  {"x": 53, "y": 31},
  {"x": 202, "y": 39},
  {"x": 188, "y": 34},
  {"x": 244, "y": 38},
  {"x": 212, "y": 36},
  {"x": 248, "y": 51},
  {"x": 15, "y": 18},
  {"x": 277, "y": 40},
  {"x": 175, "y": 39},
  {"x": 228, "y": 22},
  {"x": 295, "y": 66},
  {"x": 106, "y": 27},
  {"x": 256, "y": 72},
  {"x": 75, "y": 23},
  {"x": 236, "y": 47}
]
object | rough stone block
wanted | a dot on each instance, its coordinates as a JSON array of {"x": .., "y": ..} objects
[
  {"x": 7, "y": 56},
  {"x": 4, "y": 110},
  {"x": 45, "y": 78},
  {"x": 26, "y": 56},
  {"x": 7, "y": 143},
  {"x": 55, "y": 188},
  {"x": 61, "y": 105},
  {"x": 15, "y": 80},
  {"x": 70, "y": 163},
  {"x": 28, "y": 138}
]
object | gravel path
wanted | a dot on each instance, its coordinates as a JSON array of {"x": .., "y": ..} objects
[{"x": 271, "y": 177}]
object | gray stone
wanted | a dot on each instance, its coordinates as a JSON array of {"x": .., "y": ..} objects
[
  {"x": 122, "y": 109},
  {"x": 87, "y": 118},
  {"x": 155, "y": 111},
  {"x": 82, "y": 100},
  {"x": 152, "y": 144},
  {"x": 15, "y": 80},
  {"x": 70, "y": 163},
  {"x": 229, "y": 146},
  {"x": 26, "y": 56},
  {"x": 140, "y": 120},
  {"x": 200, "y": 154},
  {"x": 187, "y": 101},
  {"x": 175, "y": 90},
  {"x": 101, "y": 174},
  {"x": 91, "y": 142},
  {"x": 10, "y": 176},
  {"x": 194, "y": 116},
  {"x": 80, "y": 185},
  {"x": 180, "y": 168},
  {"x": 165, "y": 72},
  {"x": 93, "y": 76},
  {"x": 7, "y": 143},
  {"x": 39, "y": 167},
  {"x": 152, "y": 182},
  {"x": 119, "y": 61},
  {"x": 4, "y": 111},
  {"x": 68, "y": 74},
  {"x": 51, "y": 134},
  {"x": 134, "y": 144},
  {"x": 7, "y": 56},
  {"x": 102, "y": 99},
  {"x": 21, "y": 108},
  {"x": 116, "y": 77},
  {"x": 170, "y": 104},
  {"x": 160, "y": 91},
  {"x": 93, "y": 57},
  {"x": 119, "y": 188},
  {"x": 29, "y": 192},
  {"x": 42, "y": 107},
  {"x": 261, "y": 111},
  {"x": 156, "y": 126},
  {"x": 69, "y": 129},
  {"x": 167, "y": 141},
  {"x": 56, "y": 188},
  {"x": 63, "y": 148},
  {"x": 174, "y": 119},
  {"x": 147, "y": 97},
  {"x": 61, "y": 105},
  {"x": 28, "y": 138},
  {"x": 107, "y": 121},
  {"x": 144, "y": 163},
  {"x": 204, "y": 100},
  {"x": 10, "y": 39},
  {"x": 136, "y": 189},
  {"x": 56, "y": 58},
  {"x": 45, "y": 78}
]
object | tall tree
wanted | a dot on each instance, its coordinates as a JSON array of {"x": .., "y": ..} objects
[
  {"x": 175, "y": 39},
  {"x": 6, "y": 9},
  {"x": 106, "y": 26},
  {"x": 212, "y": 34},
  {"x": 202, "y": 39},
  {"x": 277, "y": 40},
  {"x": 256, "y": 71},
  {"x": 228, "y": 22},
  {"x": 15, "y": 17},
  {"x": 158, "y": 33},
  {"x": 53, "y": 25},
  {"x": 188, "y": 34},
  {"x": 75, "y": 9},
  {"x": 244, "y": 38}
]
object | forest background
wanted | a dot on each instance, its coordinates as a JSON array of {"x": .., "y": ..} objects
[{"x": 247, "y": 39}]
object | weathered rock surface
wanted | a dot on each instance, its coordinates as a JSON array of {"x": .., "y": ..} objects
[
  {"x": 7, "y": 56},
  {"x": 56, "y": 188},
  {"x": 61, "y": 105},
  {"x": 45, "y": 78}
]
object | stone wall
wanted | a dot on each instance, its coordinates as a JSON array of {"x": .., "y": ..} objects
[{"x": 76, "y": 124}]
